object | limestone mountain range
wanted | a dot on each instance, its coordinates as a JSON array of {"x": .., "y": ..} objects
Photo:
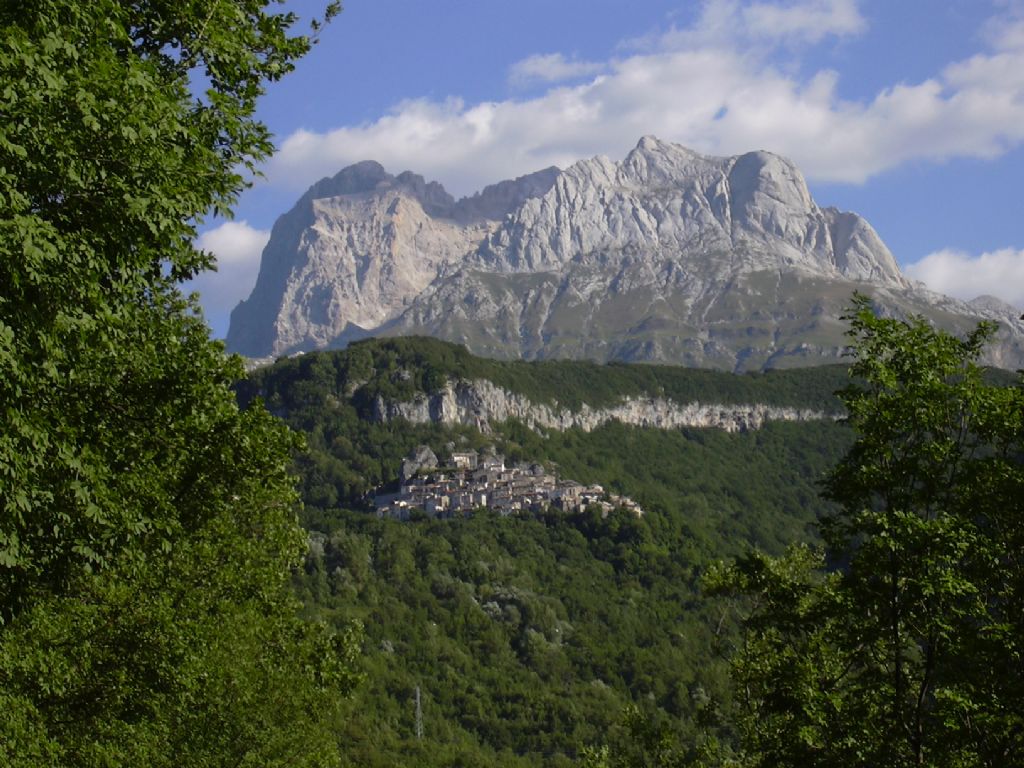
[{"x": 665, "y": 256}]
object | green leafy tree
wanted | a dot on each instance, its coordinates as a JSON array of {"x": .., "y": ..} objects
[
  {"x": 147, "y": 526},
  {"x": 909, "y": 648}
]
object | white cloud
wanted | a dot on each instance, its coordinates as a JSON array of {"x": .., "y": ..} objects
[
  {"x": 955, "y": 273},
  {"x": 1006, "y": 31},
  {"x": 237, "y": 247},
  {"x": 234, "y": 243},
  {"x": 550, "y": 68},
  {"x": 702, "y": 88},
  {"x": 810, "y": 21},
  {"x": 766, "y": 24}
]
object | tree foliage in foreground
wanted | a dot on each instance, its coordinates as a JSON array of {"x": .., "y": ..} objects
[
  {"x": 908, "y": 649},
  {"x": 147, "y": 526}
]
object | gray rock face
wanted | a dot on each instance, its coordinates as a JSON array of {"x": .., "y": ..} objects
[
  {"x": 480, "y": 403},
  {"x": 421, "y": 457},
  {"x": 665, "y": 203},
  {"x": 356, "y": 250},
  {"x": 668, "y": 255}
]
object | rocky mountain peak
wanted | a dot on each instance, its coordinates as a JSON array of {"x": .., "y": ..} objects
[
  {"x": 497, "y": 201},
  {"x": 667, "y": 202},
  {"x": 992, "y": 304},
  {"x": 653, "y": 162},
  {"x": 667, "y": 255},
  {"x": 367, "y": 176},
  {"x": 432, "y": 196},
  {"x": 762, "y": 181}
]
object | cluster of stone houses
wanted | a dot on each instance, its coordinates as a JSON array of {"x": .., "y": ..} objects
[{"x": 473, "y": 481}]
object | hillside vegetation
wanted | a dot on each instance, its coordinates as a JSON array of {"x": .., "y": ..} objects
[
  {"x": 529, "y": 637},
  {"x": 397, "y": 368}
]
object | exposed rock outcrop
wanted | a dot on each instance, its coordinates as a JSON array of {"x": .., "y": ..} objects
[
  {"x": 715, "y": 216},
  {"x": 480, "y": 403},
  {"x": 421, "y": 457}
]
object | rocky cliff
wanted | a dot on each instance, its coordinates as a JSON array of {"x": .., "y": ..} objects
[
  {"x": 668, "y": 255},
  {"x": 712, "y": 216},
  {"x": 352, "y": 254},
  {"x": 480, "y": 403}
]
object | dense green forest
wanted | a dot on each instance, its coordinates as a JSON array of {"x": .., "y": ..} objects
[
  {"x": 148, "y": 526},
  {"x": 399, "y": 367},
  {"x": 531, "y": 637},
  {"x": 715, "y": 629},
  {"x": 329, "y": 397}
]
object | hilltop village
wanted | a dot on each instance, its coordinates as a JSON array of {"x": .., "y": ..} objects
[{"x": 473, "y": 481}]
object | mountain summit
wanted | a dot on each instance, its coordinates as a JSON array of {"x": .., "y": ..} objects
[{"x": 668, "y": 255}]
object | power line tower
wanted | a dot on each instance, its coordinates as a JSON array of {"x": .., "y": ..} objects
[{"x": 419, "y": 715}]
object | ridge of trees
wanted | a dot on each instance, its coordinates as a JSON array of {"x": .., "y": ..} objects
[{"x": 399, "y": 368}]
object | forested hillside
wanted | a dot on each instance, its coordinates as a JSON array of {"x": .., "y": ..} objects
[
  {"x": 529, "y": 637},
  {"x": 399, "y": 367}
]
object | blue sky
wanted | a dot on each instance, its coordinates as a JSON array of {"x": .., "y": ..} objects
[{"x": 909, "y": 112}]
